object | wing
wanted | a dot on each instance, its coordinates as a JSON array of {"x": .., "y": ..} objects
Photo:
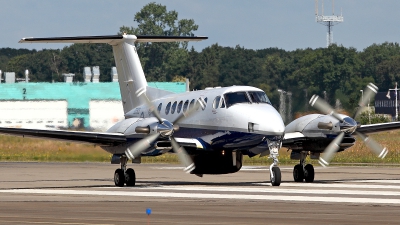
[
  {"x": 291, "y": 138},
  {"x": 104, "y": 139},
  {"x": 379, "y": 127}
]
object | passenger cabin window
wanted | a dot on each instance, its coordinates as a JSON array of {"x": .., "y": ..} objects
[
  {"x": 179, "y": 107},
  {"x": 173, "y": 108},
  {"x": 259, "y": 97},
  {"x": 235, "y": 97},
  {"x": 191, "y": 104},
  {"x": 167, "y": 108},
  {"x": 205, "y": 105},
  {"x": 216, "y": 102},
  {"x": 185, "y": 106},
  {"x": 159, "y": 107}
]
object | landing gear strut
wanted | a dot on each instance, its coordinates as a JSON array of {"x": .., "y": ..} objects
[
  {"x": 124, "y": 176},
  {"x": 275, "y": 172},
  {"x": 302, "y": 171}
]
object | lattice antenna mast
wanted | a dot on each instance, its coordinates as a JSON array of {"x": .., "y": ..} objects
[
  {"x": 328, "y": 21},
  {"x": 282, "y": 104}
]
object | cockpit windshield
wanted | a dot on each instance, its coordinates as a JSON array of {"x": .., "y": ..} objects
[
  {"x": 236, "y": 97},
  {"x": 259, "y": 97}
]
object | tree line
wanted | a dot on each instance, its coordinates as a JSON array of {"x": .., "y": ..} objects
[{"x": 336, "y": 72}]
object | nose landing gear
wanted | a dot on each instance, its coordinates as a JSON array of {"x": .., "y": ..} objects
[{"x": 275, "y": 172}]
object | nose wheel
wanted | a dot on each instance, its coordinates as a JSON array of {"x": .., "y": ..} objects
[{"x": 275, "y": 176}]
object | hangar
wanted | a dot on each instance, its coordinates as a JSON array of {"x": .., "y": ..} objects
[{"x": 80, "y": 105}]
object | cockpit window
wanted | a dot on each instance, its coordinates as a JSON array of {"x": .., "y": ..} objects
[
  {"x": 259, "y": 97},
  {"x": 235, "y": 97}
]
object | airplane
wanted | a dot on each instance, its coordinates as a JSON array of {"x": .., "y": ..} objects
[
  {"x": 210, "y": 130},
  {"x": 329, "y": 133}
]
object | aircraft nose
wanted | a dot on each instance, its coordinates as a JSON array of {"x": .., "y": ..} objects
[{"x": 272, "y": 122}]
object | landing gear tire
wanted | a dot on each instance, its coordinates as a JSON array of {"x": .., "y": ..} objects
[
  {"x": 276, "y": 179},
  {"x": 119, "y": 178},
  {"x": 130, "y": 177},
  {"x": 309, "y": 173},
  {"x": 298, "y": 174}
]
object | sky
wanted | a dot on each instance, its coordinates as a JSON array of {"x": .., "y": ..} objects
[{"x": 255, "y": 24}]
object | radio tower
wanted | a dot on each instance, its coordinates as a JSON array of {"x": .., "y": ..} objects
[{"x": 328, "y": 21}]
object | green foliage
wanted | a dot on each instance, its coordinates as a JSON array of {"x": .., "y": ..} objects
[
  {"x": 161, "y": 61},
  {"x": 371, "y": 118}
]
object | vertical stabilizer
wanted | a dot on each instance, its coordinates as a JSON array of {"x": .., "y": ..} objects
[{"x": 130, "y": 73}]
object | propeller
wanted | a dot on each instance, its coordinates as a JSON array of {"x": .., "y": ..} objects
[
  {"x": 164, "y": 128},
  {"x": 348, "y": 127}
]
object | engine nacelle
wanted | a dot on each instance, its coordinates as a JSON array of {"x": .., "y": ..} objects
[
  {"x": 219, "y": 162},
  {"x": 150, "y": 125}
]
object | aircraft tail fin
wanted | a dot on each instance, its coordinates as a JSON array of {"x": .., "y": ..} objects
[{"x": 131, "y": 77}]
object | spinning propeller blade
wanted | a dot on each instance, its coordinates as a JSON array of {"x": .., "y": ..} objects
[
  {"x": 321, "y": 105},
  {"x": 374, "y": 146},
  {"x": 189, "y": 111},
  {"x": 329, "y": 152},
  {"x": 137, "y": 148},
  {"x": 141, "y": 93},
  {"x": 184, "y": 158},
  {"x": 369, "y": 93},
  {"x": 333, "y": 147}
]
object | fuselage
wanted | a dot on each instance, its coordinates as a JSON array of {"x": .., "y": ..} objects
[{"x": 220, "y": 125}]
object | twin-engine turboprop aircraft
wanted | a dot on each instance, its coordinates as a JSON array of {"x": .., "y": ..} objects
[
  {"x": 210, "y": 130},
  {"x": 329, "y": 133}
]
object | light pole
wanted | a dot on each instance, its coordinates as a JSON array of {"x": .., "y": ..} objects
[{"x": 362, "y": 95}]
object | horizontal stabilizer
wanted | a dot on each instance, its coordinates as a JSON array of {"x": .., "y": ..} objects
[{"x": 110, "y": 39}]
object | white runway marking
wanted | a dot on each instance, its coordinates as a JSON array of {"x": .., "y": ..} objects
[
  {"x": 337, "y": 185},
  {"x": 244, "y": 168},
  {"x": 206, "y": 196},
  {"x": 378, "y": 181},
  {"x": 278, "y": 190}
]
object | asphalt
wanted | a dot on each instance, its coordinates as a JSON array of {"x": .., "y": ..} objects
[{"x": 84, "y": 193}]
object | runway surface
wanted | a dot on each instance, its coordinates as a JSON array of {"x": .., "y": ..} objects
[{"x": 84, "y": 193}]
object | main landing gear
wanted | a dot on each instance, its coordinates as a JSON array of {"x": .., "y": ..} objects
[
  {"x": 302, "y": 171},
  {"x": 124, "y": 176}
]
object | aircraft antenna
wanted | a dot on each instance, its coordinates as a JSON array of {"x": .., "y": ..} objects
[{"x": 328, "y": 21}]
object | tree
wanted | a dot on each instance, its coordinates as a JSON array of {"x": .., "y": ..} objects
[{"x": 159, "y": 59}]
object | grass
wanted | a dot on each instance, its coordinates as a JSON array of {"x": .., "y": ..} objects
[{"x": 29, "y": 149}]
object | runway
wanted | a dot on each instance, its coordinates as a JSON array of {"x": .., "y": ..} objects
[{"x": 84, "y": 193}]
